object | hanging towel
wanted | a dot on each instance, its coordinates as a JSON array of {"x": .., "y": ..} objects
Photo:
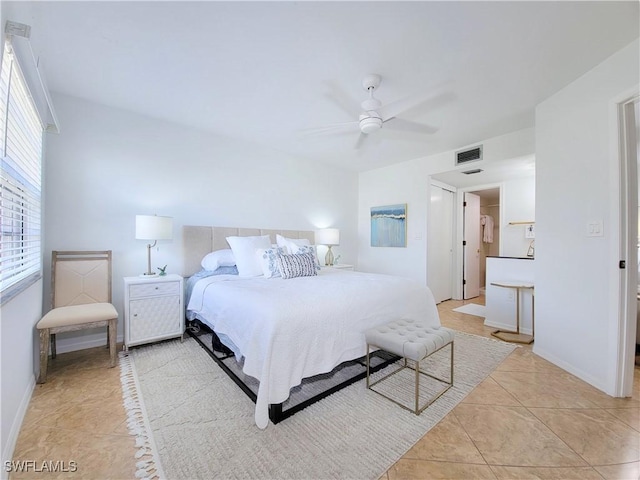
[{"x": 487, "y": 234}]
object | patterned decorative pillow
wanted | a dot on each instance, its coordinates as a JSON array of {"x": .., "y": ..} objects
[
  {"x": 297, "y": 265},
  {"x": 309, "y": 249},
  {"x": 268, "y": 259}
]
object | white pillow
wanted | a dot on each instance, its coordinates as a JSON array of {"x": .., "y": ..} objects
[
  {"x": 244, "y": 250},
  {"x": 219, "y": 258},
  {"x": 291, "y": 244},
  {"x": 269, "y": 261}
]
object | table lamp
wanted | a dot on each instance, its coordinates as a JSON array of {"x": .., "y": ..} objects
[
  {"x": 153, "y": 227},
  {"x": 329, "y": 237}
]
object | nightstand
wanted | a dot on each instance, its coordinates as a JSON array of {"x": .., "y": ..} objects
[
  {"x": 153, "y": 309},
  {"x": 342, "y": 266}
]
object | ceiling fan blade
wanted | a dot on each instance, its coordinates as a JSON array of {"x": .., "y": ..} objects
[
  {"x": 342, "y": 99},
  {"x": 335, "y": 128},
  {"x": 409, "y": 126},
  {"x": 361, "y": 138},
  {"x": 425, "y": 100},
  {"x": 369, "y": 141}
]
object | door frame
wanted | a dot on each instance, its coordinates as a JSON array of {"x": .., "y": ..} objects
[
  {"x": 471, "y": 259},
  {"x": 624, "y": 334},
  {"x": 459, "y": 232}
]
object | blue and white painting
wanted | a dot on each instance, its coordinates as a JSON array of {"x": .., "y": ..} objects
[{"x": 389, "y": 226}]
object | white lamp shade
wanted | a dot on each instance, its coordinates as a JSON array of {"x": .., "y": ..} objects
[
  {"x": 154, "y": 227},
  {"x": 328, "y": 236}
]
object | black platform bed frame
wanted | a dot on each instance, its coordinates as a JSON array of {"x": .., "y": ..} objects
[{"x": 276, "y": 411}]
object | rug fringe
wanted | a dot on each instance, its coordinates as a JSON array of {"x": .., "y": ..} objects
[{"x": 148, "y": 466}]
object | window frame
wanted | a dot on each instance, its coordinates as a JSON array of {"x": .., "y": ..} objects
[{"x": 19, "y": 179}]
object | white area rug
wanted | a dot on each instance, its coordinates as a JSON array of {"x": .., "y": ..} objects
[
  {"x": 202, "y": 425},
  {"x": 472, "y": 309}
]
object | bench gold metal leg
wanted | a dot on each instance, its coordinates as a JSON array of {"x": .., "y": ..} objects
[
  {"x": 417, "y": 410},
  {"x": 417, "y": 387}
]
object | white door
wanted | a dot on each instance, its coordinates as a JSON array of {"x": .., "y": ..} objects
[
  {"x": 471, "y": 246},
  {"x": 440, "y": 244}
]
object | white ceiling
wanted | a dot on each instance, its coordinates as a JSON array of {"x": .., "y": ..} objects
[{"x": 264, "y": 71}]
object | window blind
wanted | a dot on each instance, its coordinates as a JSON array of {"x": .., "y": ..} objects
[{"x": 21, "y": 133}]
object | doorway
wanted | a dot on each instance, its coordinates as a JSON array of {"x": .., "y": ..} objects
[
  {"x": 445, "y": 229},
  {"x": 489, "y": 230},
  {"x": 481, "y": 237},
  {"x": 506, "y": 187}
]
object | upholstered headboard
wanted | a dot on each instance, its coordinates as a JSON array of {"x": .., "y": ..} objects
[{"x": 198, "y": 241}]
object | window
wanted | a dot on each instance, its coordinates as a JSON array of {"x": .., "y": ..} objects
[{"x": 21, "y": 134}]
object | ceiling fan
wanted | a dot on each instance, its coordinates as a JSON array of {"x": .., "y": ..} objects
[{"x": 373, "y": 114}]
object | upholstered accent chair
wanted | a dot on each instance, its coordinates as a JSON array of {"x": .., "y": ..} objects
[{"x": 80, "y": 299}]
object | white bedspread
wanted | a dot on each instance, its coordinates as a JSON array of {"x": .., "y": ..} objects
[{"x": 291, "y": 329}]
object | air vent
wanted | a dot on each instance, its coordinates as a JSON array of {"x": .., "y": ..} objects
[
  {"x": 471, "y": 172},
  {"x": 470, "y": 155}
]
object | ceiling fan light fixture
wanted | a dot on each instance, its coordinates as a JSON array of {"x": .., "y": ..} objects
[{"x": 370, "y": 123}]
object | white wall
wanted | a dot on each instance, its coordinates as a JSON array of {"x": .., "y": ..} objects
[
  {"x": 108, "y": 165},
  {"x": 408, "y": 182},
  {"x": 577, "y": 277},
  {"x": 18, "y": 359},
  {"x": 520, "y": 207}
]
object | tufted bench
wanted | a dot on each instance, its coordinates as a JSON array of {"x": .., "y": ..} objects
[{"x": 415, "y": 341}]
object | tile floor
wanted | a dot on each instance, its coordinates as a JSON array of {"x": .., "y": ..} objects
[{"x": 529, "y": 419}]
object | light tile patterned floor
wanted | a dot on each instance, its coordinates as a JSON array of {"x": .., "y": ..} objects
[{"x": 529, "y": 419}]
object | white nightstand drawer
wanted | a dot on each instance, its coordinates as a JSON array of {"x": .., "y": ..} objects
[{"x": 152, "y": 289}]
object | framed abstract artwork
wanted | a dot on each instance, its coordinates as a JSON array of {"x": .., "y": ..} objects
[{"x": 389, "y": 226}]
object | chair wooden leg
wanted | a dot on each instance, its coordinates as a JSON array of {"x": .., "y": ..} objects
[
  {"x": 111, "y": 334},
  {"x": 44, "y": 354}
]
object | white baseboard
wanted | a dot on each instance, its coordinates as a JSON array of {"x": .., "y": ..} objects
[
  {"x": 7, "y": 454},
  {"x": 581, "y": 374},
  {"x": 71, "y": 345}
]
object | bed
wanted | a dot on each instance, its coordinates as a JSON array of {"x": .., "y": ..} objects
[{"x": 285, "y": 330}]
